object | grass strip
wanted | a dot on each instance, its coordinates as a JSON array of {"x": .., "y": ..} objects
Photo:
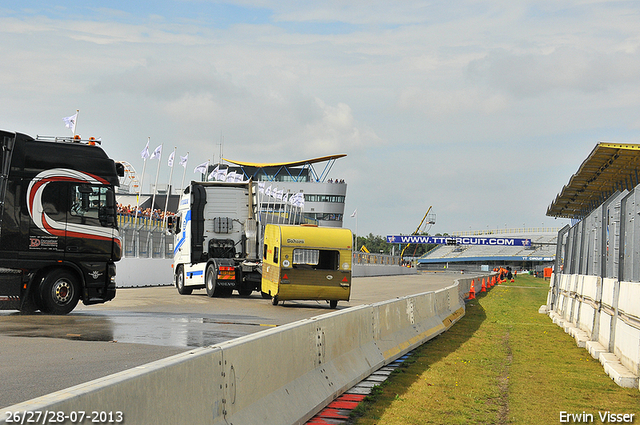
[{"x": 502, "y": 363}]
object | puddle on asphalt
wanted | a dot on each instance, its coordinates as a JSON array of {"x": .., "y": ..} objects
[{"x": 138, "y": 328}]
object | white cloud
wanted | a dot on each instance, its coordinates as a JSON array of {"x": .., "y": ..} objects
[
  {"x": 530, "y": 75},
  {"x": 426, "y": 94}
]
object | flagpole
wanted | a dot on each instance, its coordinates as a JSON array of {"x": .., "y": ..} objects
[
  {"x": 183, "y": 173},
  {"x": 144, "y": 165},
  {"x": 166, "y": 202},
  {"x": 286, "y": 202},
  {"x": 155, "y": 186},
  {"x": 259, "y": 204},
  {"x": 76, "y": 124},
  {"x": 279, "y": 206},
  {"x": 273, "y": 195},
  {"x": 301, "y": 208},
  {"x": 355, "y": 214},
  {"x": 355, "y": 247}
]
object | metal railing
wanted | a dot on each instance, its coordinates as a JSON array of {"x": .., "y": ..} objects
[
  {"x": 507, "y": 231},
  {"x": 144, "y": 238},
  {"x": 381, "y": 259}
]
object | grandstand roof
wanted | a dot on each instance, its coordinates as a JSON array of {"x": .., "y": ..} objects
[
  {"x": 253, "y": 169},
  {"x": 608, "y": 168},
  {"x": 286, "y": 164}
]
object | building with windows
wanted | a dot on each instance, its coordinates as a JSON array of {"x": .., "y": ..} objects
[{"x": 324, "y": 197}]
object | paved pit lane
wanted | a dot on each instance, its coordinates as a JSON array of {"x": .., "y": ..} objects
[{"x": 42, "y": 353}]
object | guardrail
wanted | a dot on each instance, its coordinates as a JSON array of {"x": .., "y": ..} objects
[{"x": 283, "y": 375}]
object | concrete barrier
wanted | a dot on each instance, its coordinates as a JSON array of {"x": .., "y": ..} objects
[
  {"x": 283, "y": 375},
  {"x": 603, "y": 315},
  {"x": 137, "y": 272}
]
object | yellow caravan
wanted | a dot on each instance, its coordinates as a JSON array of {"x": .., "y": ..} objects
[{"x": 306, "y": 263}]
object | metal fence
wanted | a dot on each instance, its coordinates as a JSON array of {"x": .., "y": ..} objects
[
  {"x": 144, "y": 238},
  {"x": 606, "y": 243},
  {"x": 381, "y": 259}
]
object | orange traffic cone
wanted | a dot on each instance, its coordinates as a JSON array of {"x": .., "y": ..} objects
[
  {"x": 472, "y": 292},
  {"x": 483, "y": 288}
]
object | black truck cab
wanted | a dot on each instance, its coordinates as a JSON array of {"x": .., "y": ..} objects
[{"x": 59, "y": 236}]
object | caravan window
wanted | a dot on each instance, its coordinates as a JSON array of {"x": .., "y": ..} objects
[
  {"x": 316, "y": 259},
  {"x": 306, "y": 256}
]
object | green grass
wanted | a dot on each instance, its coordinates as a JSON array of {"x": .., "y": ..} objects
[{"x": 502, "y": 363}]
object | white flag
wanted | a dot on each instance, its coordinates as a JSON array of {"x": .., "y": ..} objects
[
  {"x": 202, "y": 168},
  {"x": 297, "y": 200},
  {"x": 157, "y": 152},
  {"x": 261, "y": 186},
  {"x": 214, "y": 174},
  {"x": 268, "y": 191},
  {"x": 231, "y": 177},
  {"x": 171, "y": 156},
  {"x": 70, "y": 122},
  {"x": 222, "y": 175},
  {"x": 354, "y": 212},
  {"x": 183, "y": 160},
  {"x": 145, "y": 152}
]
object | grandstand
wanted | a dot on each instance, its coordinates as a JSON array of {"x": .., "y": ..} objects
[{"x": 538, "y": 255}]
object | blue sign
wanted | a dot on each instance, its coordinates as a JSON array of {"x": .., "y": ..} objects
[{"x": 456, "y": 240}]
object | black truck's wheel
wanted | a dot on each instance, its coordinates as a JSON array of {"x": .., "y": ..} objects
[
  {"x": 182, "y": 290},
  {"x": 59, "y": 292}
]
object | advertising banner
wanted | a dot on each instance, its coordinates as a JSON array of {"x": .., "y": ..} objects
[{"x": 458, "y": 240}]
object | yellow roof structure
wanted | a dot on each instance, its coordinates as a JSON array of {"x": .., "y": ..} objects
[
  {"x": 286, "y": 164},
  {"x": 608, "y": 168}
]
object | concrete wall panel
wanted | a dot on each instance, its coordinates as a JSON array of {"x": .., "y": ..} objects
[
  {"x": 608, "y": 289},
  {"x": 627, "y": 346},
  {"x": 629, "y": 298}
]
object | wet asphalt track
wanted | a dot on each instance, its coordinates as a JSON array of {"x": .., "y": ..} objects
[{"x": 41, "y": 354}]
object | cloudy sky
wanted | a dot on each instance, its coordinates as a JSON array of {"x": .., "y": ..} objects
[{"x": 481, "y": 109}]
